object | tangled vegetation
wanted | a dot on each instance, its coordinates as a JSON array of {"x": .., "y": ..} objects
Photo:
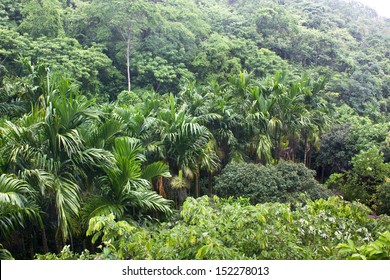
[
  {"x": 214, "y": 228},
  {"x": 117, "y": 120}
]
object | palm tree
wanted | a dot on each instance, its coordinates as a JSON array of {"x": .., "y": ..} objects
[
  {"x": 127, "y": 188},
  {"x": 184, "y": 140},
  {"x": 46, "y": 149},
  {"x": 18, "y": 211},
  {"x": 214, "y": 107},
  {"x": 16, "y": 205}
]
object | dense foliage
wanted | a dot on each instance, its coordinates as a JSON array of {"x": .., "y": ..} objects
[
  {"x": 114, "y": 117},
  {"x": 283, "y": 182},
  {"x": 234, "y": 229},
  {"x": 367, "y": 181},
  {"x": 162, "y": 43}
]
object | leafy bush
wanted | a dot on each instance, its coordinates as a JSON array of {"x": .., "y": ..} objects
[
  {"x": 377, "y": 250},
  {"x": 366, "y": 181},
  {"x": 127, "y": 98},
  {"x": 119, "y": 240},
  {"x": 215, "y": 228},
  {"x": 342, "y": 142},
  {"x": 283, "y": 182}
]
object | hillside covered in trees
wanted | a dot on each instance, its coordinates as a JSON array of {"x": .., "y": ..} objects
[{"x": 190, "y": 129}]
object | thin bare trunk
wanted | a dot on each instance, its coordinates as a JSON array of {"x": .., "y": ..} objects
[
  {"x": 128, "y": 61},
  {"x": 197, "y": 187}
]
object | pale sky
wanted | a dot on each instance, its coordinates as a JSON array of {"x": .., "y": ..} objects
[{"x": 382, "y": 7}]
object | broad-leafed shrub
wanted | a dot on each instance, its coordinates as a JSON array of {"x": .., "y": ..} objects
[{"x": 283, "y": 182}]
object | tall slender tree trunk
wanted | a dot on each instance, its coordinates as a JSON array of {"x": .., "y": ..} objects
[{"x": 128, "y": 60}]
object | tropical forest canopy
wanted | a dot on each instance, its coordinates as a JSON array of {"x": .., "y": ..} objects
[{"x": 137, "y": 124}]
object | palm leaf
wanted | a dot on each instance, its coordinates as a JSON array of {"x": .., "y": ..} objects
[
  {"x": 13, "y": 190},
  {"x": 264, "y": 148},
  {"x": 102, "y": 136},
  {"x": 148, "y": 200},
  {"x": 16, "y": 204},
  {"x": 5, "y": 254},
  {"x": 67, "y": 204},
  {"x": 95, "y": 157},
  {"x": 99, "y": 206},
  {"x": 70, "y": 142},
  {"x": 154, "y": 170}
]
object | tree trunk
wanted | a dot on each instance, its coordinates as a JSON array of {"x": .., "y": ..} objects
[
  {"x": 182, "y": 195},
  {"x": 210, "y": 185},
  {"x": 305, "y": 153},
  {"x": 59, "y": 244},
  {"x": 128, "y": 60},
  {"x": 30, "y": 244},
  {"x": 160, "y": 187},
  {"x": 45, "y": 248},
  {"x": 197, "y": 187}
]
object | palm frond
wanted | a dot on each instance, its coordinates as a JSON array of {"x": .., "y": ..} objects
[
  {"x": 67, "y": 204},
  {"x": 128, "y": 148},
  {"x": 154, "y": 170},
  {"x": 148, "y": 200},
  {"x": 94, "y": 157},
  {"x": 13, "y": 190},
  {"x": 102, "y": 135},
  {"x": 136, "y": 183},
  {"x": 264, "y": 148},
  {"x": 13, "y": 216},
  {"x": 40, "y": 179},
  {"x": 99, "y": 206},
  {"x": 70, "y": 142},
  {"x": 5, "y": 254}
]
